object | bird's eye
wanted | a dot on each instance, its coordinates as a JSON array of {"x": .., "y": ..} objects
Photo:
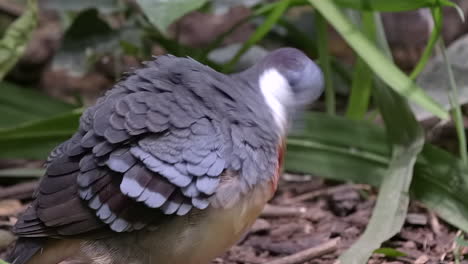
[
  {"x": 293, "y": 78},
  {"x": 294, "y": 82}
]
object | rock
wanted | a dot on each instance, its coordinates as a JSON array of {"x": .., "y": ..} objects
[
  {"x": 416, "y": 219},
  {"x": 344, "y": 203},
  {"x": 422, "y": 260},
  {"x": 260, "y": 225}
]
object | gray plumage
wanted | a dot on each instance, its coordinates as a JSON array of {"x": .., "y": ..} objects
[{"x": 158, "y": 144}]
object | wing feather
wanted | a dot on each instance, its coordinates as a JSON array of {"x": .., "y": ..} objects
[{"x": 149, "y": 148}]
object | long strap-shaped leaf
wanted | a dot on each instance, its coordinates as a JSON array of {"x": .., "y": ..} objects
[
  {"x": 35, "y": 139},
  {"x": 16, "y": 38},
  {"x": 347, "y": 150},
  {"x": 376, "y": 60},
  {"x": 362, "y": 83},
  {"x": 407, "y": 139},
  {"x": 392, "y": 6}
]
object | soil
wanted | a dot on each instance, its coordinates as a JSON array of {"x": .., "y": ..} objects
[{"x": 307, "y": 212}]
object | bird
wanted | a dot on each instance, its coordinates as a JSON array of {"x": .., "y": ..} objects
[{"x": 171, "y": 165}]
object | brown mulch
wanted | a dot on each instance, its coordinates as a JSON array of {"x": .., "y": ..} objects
[
  {"x": 307, "y": 217},
  {"x": 320, "y": 212}
]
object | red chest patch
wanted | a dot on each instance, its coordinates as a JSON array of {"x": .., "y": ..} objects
[{"x": 279, "y": 166}]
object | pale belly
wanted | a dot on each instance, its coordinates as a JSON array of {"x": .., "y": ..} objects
[{"x": 193, "y": 239}]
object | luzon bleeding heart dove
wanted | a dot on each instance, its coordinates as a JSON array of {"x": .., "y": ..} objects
[{"x": 171, "y": 166}]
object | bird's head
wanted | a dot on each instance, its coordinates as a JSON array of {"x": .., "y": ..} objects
[{"x": 289, "y": 81}]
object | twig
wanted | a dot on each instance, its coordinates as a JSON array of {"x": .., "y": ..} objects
[
  {"x": 423, "y": 259},
  {"x": 19, "y": 191},
  {"x": 9, "y": 223},
  {"x": 260, "y": 225},
  {"x": 436, "y": 130},
  {"x": 307, "y": 254},
  {"x": 435, "y": 224},
  {"x": 283, "y": 211},
  {"x": 321, "y": 192},
  {"x": 11, "y": 9}
]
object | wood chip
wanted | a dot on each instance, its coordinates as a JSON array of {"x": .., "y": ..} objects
[
  {"x": 286, "y": 230},
  {"x": 422, "y": 260},
  {"x": 260, "y": 225},
  {"x": 435, "y": 224},
  {"x": 308, "y": 254},
  {"x": 10, "y": 207},
  {"x": 11, "y": 9},
  {"x": 11, "y": 222},
  {"x": 283, "y": 211},
  {"x": 19, "y": 191},
  {"x": 321, "y": 192},
  {"x": 416, "y": 219}
]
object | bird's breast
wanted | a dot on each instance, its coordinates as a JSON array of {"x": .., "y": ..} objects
[
  {"x": 279, "y": 166},
  {"x": 196, "y": 238},
  {"x": 202, "y": 236}
]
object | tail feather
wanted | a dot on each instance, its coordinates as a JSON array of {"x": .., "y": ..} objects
[{"x": 25, "y": 249}]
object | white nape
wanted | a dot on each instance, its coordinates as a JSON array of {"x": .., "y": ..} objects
[{"x": 278, "y": 95}]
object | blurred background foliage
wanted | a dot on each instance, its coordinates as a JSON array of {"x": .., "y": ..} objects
[{"x": 392, "y": 115}]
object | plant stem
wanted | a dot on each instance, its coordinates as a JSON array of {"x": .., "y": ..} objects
[
  {"x": 363, "y": 76},
  {"x": 456, "y": 108},
  {"x": 325, "y": 62},
  {"x": 260, "y": 33},
  {"x": 437, "y": 16}
]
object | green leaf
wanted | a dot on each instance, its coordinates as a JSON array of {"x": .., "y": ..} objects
[
  {"x": 435, "y": 35},
  {"x": 390, "y": 252},
  {"x": 456, "y": 107},
  {"x": 34, "y": 140},
  {"x": 459, "y": 10},
  {"x": 162, "y": 13},
  {"x": 338, "y": 148},
  {"x": 19, "y": 105},
  {"x": 89, "y": 37},
  {"x": 362, "y": 83},
  {"x": 3, "y": 262},
  {"x": 341, "y": 149},
  {"x": 260, "y": 33},
  {"x": 391, "y": 6},
  {"x": 441, "y": 183},
  {"x": 460, "y": 241},
  {"x": 87, "y": 33},
  {"x": 391, "y": 206},
  {"x": 16, "y": 37},
  {"x": 360, "y": 91},
  {"x": 376, "y": 60},
  {"x": 407, "y": 139},
  {"x": 325, "y": 62}
]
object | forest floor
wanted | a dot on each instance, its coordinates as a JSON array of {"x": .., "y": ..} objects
[
  {"x": 330, "y": 218},
  {"x": 308, "y": 218}
]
